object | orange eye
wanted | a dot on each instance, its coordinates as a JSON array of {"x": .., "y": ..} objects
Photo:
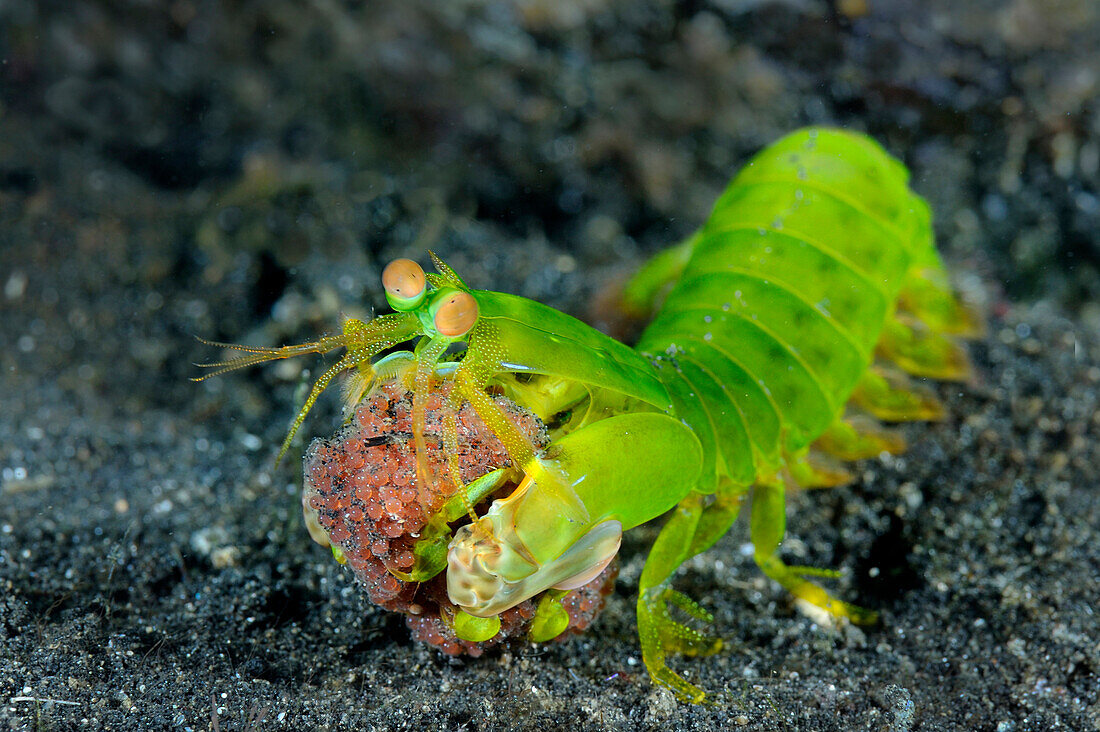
[
  {"x": 456, "y": 314},
  {"x": 404, "y": 282}
]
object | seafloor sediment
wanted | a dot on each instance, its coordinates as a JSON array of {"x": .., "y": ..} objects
[
  {"x": 156, "y": 570},
  {"x": 242, "y": 171}
]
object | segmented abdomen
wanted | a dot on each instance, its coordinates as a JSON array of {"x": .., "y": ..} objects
[{"x": 777, "y": 314}]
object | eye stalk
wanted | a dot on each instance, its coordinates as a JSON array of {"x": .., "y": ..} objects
[
  {"x": 454, "y": 314},
  {"x": 405, "y": 284}
]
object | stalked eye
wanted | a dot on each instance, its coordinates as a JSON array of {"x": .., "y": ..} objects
[
  {"x": 404, "y": 282},
  {"x": 455, "y": 314}
]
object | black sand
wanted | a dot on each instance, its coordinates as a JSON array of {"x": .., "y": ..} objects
[{"x": 243, "y": 172}]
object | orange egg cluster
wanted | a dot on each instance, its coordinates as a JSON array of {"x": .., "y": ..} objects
[{"x": 361, "y": 487}]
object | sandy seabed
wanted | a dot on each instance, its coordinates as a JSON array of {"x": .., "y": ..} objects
[{"x": 243, "y": 172}]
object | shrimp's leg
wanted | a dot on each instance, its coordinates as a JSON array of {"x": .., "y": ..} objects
[
  {"x": 518, "y": 446},
  {"x": 890, "y": 396},
  {"x": 815, "y": 469},
  {"x": 923, "y": 352},
  {"x": 349, "y": 360},
  {"x": 426, "y": 357},
  {"x": 767, "y": 526},
  {"x": 927, "y": 294},
  {"x": 692, "y": 528},
  {"x": 645, "y": 290},
  {"x": 858, "y": 438}
]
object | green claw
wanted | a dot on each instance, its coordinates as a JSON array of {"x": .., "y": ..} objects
[
  {"x": 476, "y": 491},
  {"x": 551, "y": 619},
  {"x": 469, "y": 628},
  {"x": 661, "y": 635}
]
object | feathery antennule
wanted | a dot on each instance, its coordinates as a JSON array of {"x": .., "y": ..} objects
[
  {"x": 262, "y": 354},
  {"x": 363, "y": 341}
]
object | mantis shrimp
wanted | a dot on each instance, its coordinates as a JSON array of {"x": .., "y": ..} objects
[{"x": 785, "y": 329}]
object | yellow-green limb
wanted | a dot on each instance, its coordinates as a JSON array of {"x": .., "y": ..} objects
[
  {"x": 427, "y": 355},
  {"x": 859, "y": 437},
  {"x": 694, "y": 525},
  {"x": 813, "y": 469},
  {"x": 918, "y": 350},
  {"x": 927, "y": 295},
  {"x": 889, "y": 395},
  {"x": 645, "y": 290},
  {"x": 518, "y": 447},
  {"x": 450, "y": 447},
  {"x": 767, "y": 525},
  {"x": 349, "y": 360},
  {"x": 923, "y": 337},
  {"x": 551, "y": 618}
]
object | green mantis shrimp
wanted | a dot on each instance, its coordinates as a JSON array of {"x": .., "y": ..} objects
[{"x": 786, "y": 325}]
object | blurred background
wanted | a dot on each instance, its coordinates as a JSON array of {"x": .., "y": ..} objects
[{"x": 242, "y": 170}]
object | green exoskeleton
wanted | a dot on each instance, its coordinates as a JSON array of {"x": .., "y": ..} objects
[{"x": 766, "y": 361}]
